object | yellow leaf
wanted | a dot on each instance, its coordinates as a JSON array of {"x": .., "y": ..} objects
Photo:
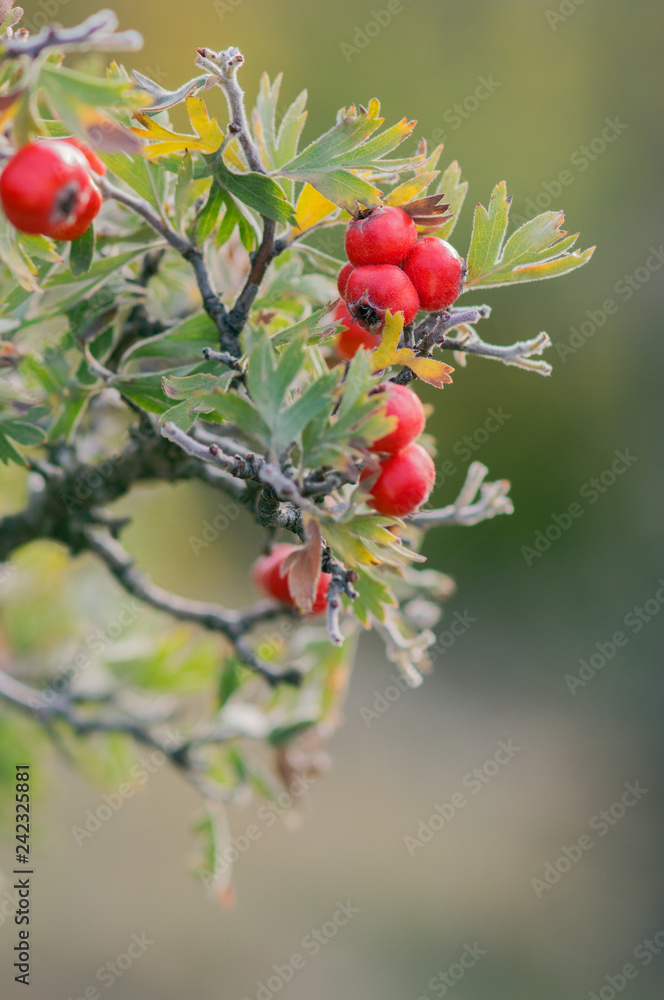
[
  {"x": 387, "y": 354},
  {"x": 204, "y": 126},
  {"x": 431, "y": 371},
  {"x": 312, "y": 207},
  {"x": 383, "y": 354},
  {"x": 208, "y": 138}
]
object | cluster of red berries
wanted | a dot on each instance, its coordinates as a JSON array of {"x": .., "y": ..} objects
[
  {"x": 406, "y": 473},
  {"x": 48, "y": 187},
  {"x": 390, "y": 268}
]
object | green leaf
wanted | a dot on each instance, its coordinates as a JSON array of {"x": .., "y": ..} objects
[
  {"x": 208, "y": 215},
  {"x": 329, "y": 162},
  {"x": 239, "y": 411},
  {"x": 90, "y": 90},
  {"x": 184, "y": 340},
  {"x": 258, "y": 191},
  {"x": 231, "y": 679},
  {"x": 454, "y": 190},
  {"x": 373, "y": 598},
  {"x": 310, "y": 325},
  {"x": 82, "y": 252},
  {"x": 316, "y": 399},
  {"x": 8, "y": 452},
  {"x": 135, "y": 172},
  {"x": 539, "y": 249},
  {"x": 196, "y": 386},
  {"x": 22, "y": 431}
]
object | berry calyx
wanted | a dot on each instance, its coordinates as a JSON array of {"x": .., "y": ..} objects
[
  {"x": 372, "y": 290},
  {"x": 404, "y": 483},
  {"x": 342, "y": 280},
  {"x": 436, "y": 270},
  {"x": 384, "y": 235},
  {"x": 268, "y": 578},
  {"x": 72, "y": 230},
  {"x": 406, "y": 406},
  {"x": 353, "y": 337},
  {"x": 46, "y": 188}
]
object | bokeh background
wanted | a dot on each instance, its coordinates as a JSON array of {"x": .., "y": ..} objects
[{"x": 557, "y": 74}]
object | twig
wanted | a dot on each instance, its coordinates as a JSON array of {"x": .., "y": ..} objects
[
  {"x": 233, "y": 624},
  {"x": 96, "y": 32},
  {"x": 519, "y": 354},
  {"x": 224, "y": 66},
  {"x": 248, "y": 466},
  {"x": 465, "y": 509},
  {"x": 212, "y": 304},
  {"x": 341, "y": 583}
]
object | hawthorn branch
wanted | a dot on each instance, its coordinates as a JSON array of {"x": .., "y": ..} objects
[
  {"x": 520, "y": 354},
  {"x": 212, "y": 303},
  {"x": 232, "y": 624},
  {"x": 114, "y": 718},
  {"x": 466, "y": 509},
  {"x": 252, "y": 467},
  {"x": 341, "y": 583},
  {"x": 96, "y": 32}
]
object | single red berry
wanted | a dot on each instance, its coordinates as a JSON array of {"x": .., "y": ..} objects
[
  {"x": 373, "y": 289},
  {"x": 46, "y": 185},
  {"x": 406, "y": 406},
  {"x": 353, "y": 337},
  {"x": 384, "y": 235},
  {"x": 267, "y": 577},
  {"x": 342, "y": 280},
  {"x": 436, "y": 270},
  {"x": 404, "y": 483}
]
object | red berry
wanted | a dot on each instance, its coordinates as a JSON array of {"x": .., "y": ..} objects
[
  {"x": 267, "y": 577},
  {"x": 384, "y": 236},
  {"x": 353, "y": 337},
  {"x": 372, "y": 290},
  {"x": 342, "y": 280},
  {"x": 404, "y": 483},
  {"x": 45, "y": 186},
  {"x": 435, "y": 269},
  {"x": 94, "y": 162},
  {"x": 406, "y": 406}
]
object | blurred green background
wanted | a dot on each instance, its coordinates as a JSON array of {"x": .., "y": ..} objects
[{"x": 555, "y": 80}]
